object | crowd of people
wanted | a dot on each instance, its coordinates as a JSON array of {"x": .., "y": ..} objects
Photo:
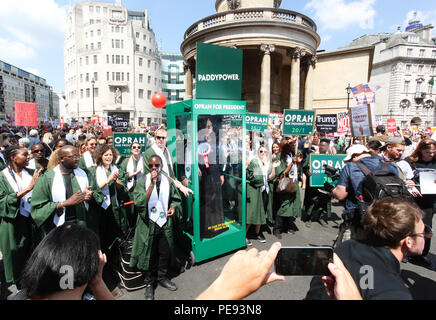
[{"x": 52, "y": 179}]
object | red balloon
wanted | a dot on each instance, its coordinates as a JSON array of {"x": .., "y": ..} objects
[{"x": 159, "y": 100}]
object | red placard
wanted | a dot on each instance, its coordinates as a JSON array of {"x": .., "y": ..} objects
[
  {"x": 26, "y": 114},
  {"x": 392, "y": 125}
]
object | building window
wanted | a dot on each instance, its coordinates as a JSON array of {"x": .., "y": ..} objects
[
  {"x": 421, "y": 53},
  {"x": 140, "y": 62},
  {"x": 141, "y": 77},
  {"x": 95, "y": 92},
  {"x": 141, "y": 93},
  {"x": 107, "y": 76},
  {"x": 137, "y": 47},
  {"x": 86, "y": 60},
  {"x": 409, "y": 52},
  {"x": 420, "y": 68},
  {"x": 99, "y": 45},
  {"x": 148, "y": 94},
  {"x": 95, "y": 76},
  {"x": 418, "y": 87},
  {"x": 81, "y": 93},
  {"x": 95, "y": 59},
  {"x": 433, "y": 54},
  {"x": 408, "y": 67},
  {"x": 137, "y": 35},
  {"x": 88, "y": 92},
  {"x": 432, "y": 70},
  {"x": 128, "y": 59},
  {"x": 406, "y": 86},
  {"x": 87, "y": 77}
]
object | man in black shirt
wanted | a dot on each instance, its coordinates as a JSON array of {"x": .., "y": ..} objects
[{"x": 395, "y": 230}]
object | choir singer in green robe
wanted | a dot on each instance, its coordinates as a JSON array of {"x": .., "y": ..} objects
[
  {"x": 157, "y": 201},
  {"x": 16, "y": 185},
  {"x": 63, "y": 195},
  {"x": 260, "y": 172}
]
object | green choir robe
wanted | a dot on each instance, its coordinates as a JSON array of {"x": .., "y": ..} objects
[
  {"x": 286, "y": 205},
  {"x": 255, "y": 209},
  {"x": 15, "y": 232},
  {"x": 43, "y": 208},
  {"x": 144, "y": 231},
  {"x": 113, "y": 221},
  {"x": 147, "y": 155}
]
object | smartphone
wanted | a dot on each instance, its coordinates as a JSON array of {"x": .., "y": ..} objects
[{"x": 303, "y": 261}]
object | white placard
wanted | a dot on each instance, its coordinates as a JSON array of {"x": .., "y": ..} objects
[{"x": 427, "y": 180}]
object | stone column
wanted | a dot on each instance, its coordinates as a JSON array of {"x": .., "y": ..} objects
[
  {"x": 294, "y": 99},
  {"x": 308, "y": 96},
  {"x": 188, "y": 81},
  {"x": 265, "y": 78}
]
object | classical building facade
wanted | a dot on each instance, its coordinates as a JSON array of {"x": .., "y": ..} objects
[
  {"x": 19, "y": 85},
  {"x": 112, "y": 63},
  {"x": 404, "y": 64},
  {"x": 279, "y": 52}
]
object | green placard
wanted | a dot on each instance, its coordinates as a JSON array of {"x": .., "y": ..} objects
[
  {"x": 122, "y": 142},
  {"x": 298, "y": 123},
  {"x": 317, "y": 162},
  {"x": 219, "y": 72},
  {"x": 256, "y": 122}
]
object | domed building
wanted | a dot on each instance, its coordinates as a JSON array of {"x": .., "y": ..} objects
[{"x": 279, "y": 52}]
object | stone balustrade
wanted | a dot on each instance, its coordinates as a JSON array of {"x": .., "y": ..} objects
[{"x": 250, "y": 15}]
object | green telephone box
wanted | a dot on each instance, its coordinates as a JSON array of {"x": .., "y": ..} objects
[{"x": 208, "y": 148}]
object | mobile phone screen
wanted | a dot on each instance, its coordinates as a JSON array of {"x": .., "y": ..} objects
[{"x": 304, "y": 261}]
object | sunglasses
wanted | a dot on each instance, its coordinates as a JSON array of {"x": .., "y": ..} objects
[
  {"x": 160, "y": 138},
  {"x": 38, "y": 151},
  {"x": 428, "y": 233},
  {"x": 262, "y": 151},
  {"x": 136, "y": 147},
  {"x": 157, "y": 165}
]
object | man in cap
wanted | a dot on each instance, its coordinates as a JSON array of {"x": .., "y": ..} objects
[
  {"x": 393, "y": 149},
  {"x": 349, "y": 186}
]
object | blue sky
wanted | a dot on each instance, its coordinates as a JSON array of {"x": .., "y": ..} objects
[{"x": 32, "y": 31}]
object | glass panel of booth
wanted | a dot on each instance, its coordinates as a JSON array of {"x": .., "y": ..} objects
[{"x": 220, "y": 174}]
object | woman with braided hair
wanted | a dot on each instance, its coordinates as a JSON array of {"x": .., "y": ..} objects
[{"x": 16, "y": 185}]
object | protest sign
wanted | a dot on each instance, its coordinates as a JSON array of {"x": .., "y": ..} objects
[
  {"x": 122, "y": 141},
  {"x": 26, "y": 114},
  {"x": 119, "y": 121},
  {"x": 317, "y": 162},
  {"x": 275, "y": 120},
  {"x": 361, "y": 121},
  {"x": 256, "y": 122},
  {"x": 327, "y": 123},
  {"x": 298, "y": 123},
  {"x": 343, "y": 123},
  {"x": 392, "y": 125}
]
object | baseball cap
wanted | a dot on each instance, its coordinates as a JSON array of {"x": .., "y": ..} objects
[
  {"x": 394, "y": 140},
  {"x": 355, "y": 149}
]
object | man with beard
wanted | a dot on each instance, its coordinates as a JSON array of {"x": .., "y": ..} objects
[{"x": 62, "y": 195}]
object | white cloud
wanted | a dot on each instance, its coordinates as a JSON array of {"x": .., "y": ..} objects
[
  {"x": 38, "y": 23},
  {"x": 339, "y": 14},
  {"x": 13, "y": 51}
]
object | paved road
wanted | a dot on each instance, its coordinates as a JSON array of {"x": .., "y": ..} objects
[{"x": 421, "y": 281}]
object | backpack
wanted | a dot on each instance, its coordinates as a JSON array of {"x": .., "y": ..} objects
[{"x": 382, "y": 184}]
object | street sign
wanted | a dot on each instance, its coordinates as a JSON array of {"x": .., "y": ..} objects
[{"x": 298, "y": 123}]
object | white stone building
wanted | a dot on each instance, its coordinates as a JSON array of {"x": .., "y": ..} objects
[
  {"x": 403, "y": 65},
  {"x": 111, "y": 63}
]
